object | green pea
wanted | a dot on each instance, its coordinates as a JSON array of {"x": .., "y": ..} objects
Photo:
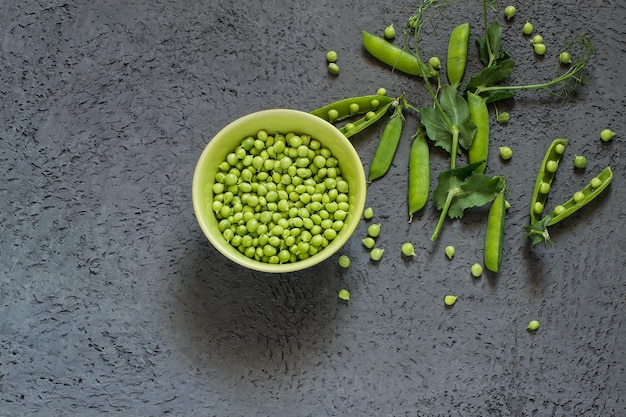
[
  {"x": 578, "y": 196},
  {"x": 539, "y": 48},
  {"x": 381, "y": 92},
  {"x": 538, "y": 207},
  {"x": 368, "y": 242},
  {"x": 408, "y": 249},
  {"x": 580, "y": 161},
  {"x": 537, "y": 39},
  {"x": 344, "y": 295},
  {"x": 450, "y": 251},
  {"x": 373, "y": 230},
  {"x": 331, "y": 56},
  {"x": 333, "y": 114},
  {"x": 477, "y": 270},
  {"x": 434, "y": 62},
  {"x": 552, "y": 166},
  {"x": 506, "y": 153},
  {"x": 509, "y": 12},
  {"x": 595, "y": 182},
  {"x": 376, "y": 254},
  {"x": 333, "y": 68},
  {"x": 533, "y": 325},
  {"x": 368, "y": 213},
  {"x": 565, "y": 57},
  {"x": 449, "y": 300},
  {"x": 354, "y": 108},
  {"x": 544, "y": 188},
  {"x": 606, "y": 135},
  {"x": 527, "y": 29},
  {"x": 344, "y": 261},
  {"x": 390, "y": 32}
]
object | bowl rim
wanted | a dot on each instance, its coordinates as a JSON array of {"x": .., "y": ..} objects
[{"x": 199, "y": 197}]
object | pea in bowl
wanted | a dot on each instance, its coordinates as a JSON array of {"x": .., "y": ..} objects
[{"x": 278, "y": 190}]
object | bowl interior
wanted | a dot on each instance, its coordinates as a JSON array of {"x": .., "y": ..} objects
[{"x": 283, "y": 121}]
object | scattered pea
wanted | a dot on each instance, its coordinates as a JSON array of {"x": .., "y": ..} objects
[
  {"x": 450, "y": 251},
  {"x": 537, "y": 39},
  {"x": 539, "y": 48},
  {"x": 533, "y": 325},
  {"x": 506, "y": 153},
  {"x": 390, "y": 32},
  {"x": 333, "y": 68},
  {"x": 376, "y": 254},
  {"x": 477, "y": 270},
  {"x": 381, "y": 92},
  {"x": 373, "y": 230},
  {"x": 527, "y": 29},
  {"x": 580, "y": 161},
  {"x": 408, "y": 249},
  {"x": 368, "y": 213},
  {"x": 507, "y": 205},
  {"x": 368, "y": 242},
  {"x": 331, "y": 56},
  {"x": 503, "y": 117},
  {"x": 606, "y": 135},
  {"x": 449, "y": 300},
  {"x": 344, "y": 295},
  {"x": 343, "y": 261},
  {"x": 509, "y": 12},
  {"x": 434, "y": 62},
  {"x": 565, "y": 57}
]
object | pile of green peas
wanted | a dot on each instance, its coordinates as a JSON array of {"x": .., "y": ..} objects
[{"x": 280, "y": 198}]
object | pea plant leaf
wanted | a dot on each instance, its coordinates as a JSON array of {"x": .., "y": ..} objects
[
  {"x": 461, "y": 188},
  {"x": 441, "y": 129},
  {"x": 491, "y": 43},
  {"x": 490, "y": 76}
]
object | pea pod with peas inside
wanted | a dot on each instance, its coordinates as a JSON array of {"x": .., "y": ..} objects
[
  {"x": 371, "y": 117},
  {"x": 547, "y": 172},
  {"x": 538, "y": 231},
  {"x": 583, "y": 197},
  {"x": 387, "y": 145},
  {"x": 342, "y": 109}
]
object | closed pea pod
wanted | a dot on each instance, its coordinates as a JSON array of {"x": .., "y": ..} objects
[
  {"x": 547, "y": 171},
  {"x": 457, "y": 54},
  {"x": 419, "y": 174},
  {"x": 583, "y": 197},
  {"x": 396, "y": 57},
  {"x": 387, "y": 145},
  {"x": 494, "y": 237},
  {"x": 479, "y": 115}
]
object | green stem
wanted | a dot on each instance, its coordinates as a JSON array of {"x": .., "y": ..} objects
[
  {"x": 485, "y": 27},
  {"x": 455, "y": 146},
  {"x": 444, "y": 213}
]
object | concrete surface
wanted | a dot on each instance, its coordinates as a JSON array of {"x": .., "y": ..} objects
[{"x": 113, "y": 303}]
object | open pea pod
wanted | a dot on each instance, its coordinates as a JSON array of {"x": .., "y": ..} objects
[
  {"x": 545, "y": 176},
  {"x": 351, "y": 129},
  {"x": 353, "y": 106},
  {"x": 583, "y": 197}
]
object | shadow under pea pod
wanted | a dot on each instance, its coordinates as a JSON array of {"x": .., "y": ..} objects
[{"x": 226, "y": 315}]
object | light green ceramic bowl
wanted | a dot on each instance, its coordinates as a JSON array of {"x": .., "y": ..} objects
[{"x": 283, "y": 121}]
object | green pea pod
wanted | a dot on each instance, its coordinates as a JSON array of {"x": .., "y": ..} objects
[
  {"x": 494, "y": 237},
  {"x": 387, "y": 145},
  {"x": 547, "y": 172},
  {"x": 479, "y": 115},
  {"x": 351, "y": 107},
  {"x": 419, "y": 173},
  {"x": 395, "y": 57},
  {"x": 591, "y": 191},
  {"x": 457, "y": 54},
  {"x": 364, "y": 122}
]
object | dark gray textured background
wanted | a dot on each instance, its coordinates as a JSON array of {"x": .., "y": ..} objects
[{"x": 113, "y": 303}]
